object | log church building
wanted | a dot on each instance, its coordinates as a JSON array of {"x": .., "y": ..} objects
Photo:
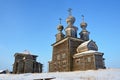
[
  {"x": 25, "y": 62},
  {"x": 73, "y": 53}
]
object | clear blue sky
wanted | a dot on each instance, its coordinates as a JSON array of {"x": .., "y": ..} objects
[{"x": 31, "y": 25}]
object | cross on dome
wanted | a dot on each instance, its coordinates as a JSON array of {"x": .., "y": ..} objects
[
  {"x": 26, "y": 52},
  {"x": 60, "y": 20},
  {"x": 60, "y": 26},
  {"x": 82, "y": 18},
  {"x": 70, "y": 11}
]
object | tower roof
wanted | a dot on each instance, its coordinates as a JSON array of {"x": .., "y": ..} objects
[
  {"x": 60, "y": 26},
  {"x": 84, "y": 34},
  {"x": 83, "y": 24},
  {"x": 70, "y": 20},
  {"x": 86, "y": 46}
]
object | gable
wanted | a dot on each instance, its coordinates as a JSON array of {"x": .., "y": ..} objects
[
  {"x": 87, "y": 45},
  {"x": 92, "y": 46}
]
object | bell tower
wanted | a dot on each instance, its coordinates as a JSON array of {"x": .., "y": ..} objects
[
  {"x": 71, "y": 31},
  {"x": 60, "y": 35},
  {"x": 65, "y": 46},
  {"x": 84, "y": 34}
]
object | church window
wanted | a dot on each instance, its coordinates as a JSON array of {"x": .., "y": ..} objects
[
  {"x": 64, "y": 62},
  {"x": 77, "y": 61},
  {"x": 73, "y": 33},
  {"x": 58, "y": 63},
  {"x": 63, "y": 55},
  {"x": 89, "y": 59},
  {"x": 58, "y": 57}
]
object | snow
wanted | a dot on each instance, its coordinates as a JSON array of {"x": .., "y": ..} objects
[
  {"x": 90, "y": 51},
  {"x": 85, "y": 43},
  {"x": 1, "y": 71},
  {"x": 26, "y": 52},
  {"x": 87, "y": 52},
  {"x": 101, "y": 74}
]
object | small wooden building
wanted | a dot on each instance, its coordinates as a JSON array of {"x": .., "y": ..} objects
[{"x": 26, "y": 63}]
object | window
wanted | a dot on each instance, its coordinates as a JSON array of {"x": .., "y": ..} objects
[
  {"x": 73, "y": 33},
  {"x": 89, "y": 59},
  {"x": 63, "y": 55},
  {"x": 77, "y": 61},
  {"x": 64, "y": 62},
  {"x": 58, "y": 57}
]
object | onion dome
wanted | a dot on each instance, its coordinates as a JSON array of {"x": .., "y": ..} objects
[
  {"x": 60, "y": 35},
  {"x": 84, "y": 34},
  {"x": 83, "y": 24},
  {"x": 60, "y": 27},
  {"x": 70, "y": 20}
]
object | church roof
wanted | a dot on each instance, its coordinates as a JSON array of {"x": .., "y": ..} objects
[
  {"x": 86, "y": 46},
  {"x": 66, "y": 38},
  {"x": 87, "y": 53},
  {"x": 85, "y": 43},
  {"x": 25, "y": 52}
]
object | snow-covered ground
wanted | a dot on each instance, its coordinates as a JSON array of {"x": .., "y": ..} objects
[{"x": 101, "y": 74}]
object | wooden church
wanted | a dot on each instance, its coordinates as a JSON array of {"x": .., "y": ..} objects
[{"x": 72, "y": 53}]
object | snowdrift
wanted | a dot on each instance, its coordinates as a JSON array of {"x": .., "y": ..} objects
[{"x": 101, "y": 74}]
